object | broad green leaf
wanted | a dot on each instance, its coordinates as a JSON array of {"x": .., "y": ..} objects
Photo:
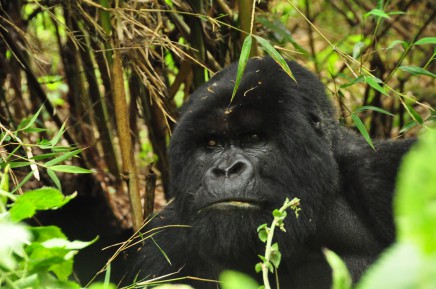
[
  {"x": 361, "y": 127},
  {"x": 377, "y": 13},
  {"x": 275, "y": 55},
  {"x": 27, "y": 204},
  {"x": 263, "y": 235},
  {"x": 398, "y": 268},
  {"x": 14, "y": 238},
  {"x": 45, "y": 233},
  {"x": 415, "y": 70},
  {"x": 426, "y": 40},
  {"x": 341, "y": 276},
  {"x": 374, "y": 83},
  {"x": 66, "y": 244},
  {"x": 55, "y": 259},
  {"x": 63, "y": 157},
  {"x": 276, "y": 256},
  {"x": 374, "y": 108},
  {"x": 416, "y": 212},
  {"x": 236, "y": 280},
  {"x": 258, "y": 267},
  {"x": 70, "y": 169},
  {"x": 243, "y": 59}
]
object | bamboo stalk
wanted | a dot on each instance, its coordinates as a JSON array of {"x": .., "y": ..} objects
[{"x": 128, "y": 173}]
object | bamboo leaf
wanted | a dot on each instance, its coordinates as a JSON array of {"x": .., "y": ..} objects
[
  {"x": 275, "y": 55},
  {"x": 374, "y": 83},
  {"x": 70, "y": 169},
  {"x": 63, "y": 158},
  {"x": 377, "y": 13},
  {"x": 58, "y": 136},
  {"x": 361, "y": 127},
  {"x": 54, "y": 178},
  {"x": 415, "y": 70},
  {"x": 426, "y": 40},
  {"x": 243, "y": 59},
  {"x": 374, "y": 108},
  {"x": 28, "y": 122}
]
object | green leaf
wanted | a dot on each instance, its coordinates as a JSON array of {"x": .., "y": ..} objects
[
  {"x": 357, "y": 49},
  {"x": 64, "y": 243},
  {"x": 416, "y": 212},
  {"x": 277, "y": 213},
  {"x": 359, "y": 79},
  {"x": 263, "y": 235},
  {"x": 45, "y": 233},
  {"x": 54, "y": 178},
  {"x": 275, "y": 55},
  {"x": 403, "y": 43},
  {"x": 162, "y": 251},
  {"x": 34, "y": 129},
  {"x": 415, "y": 115},
  {"x": 27, "y": 204},
  {"x": 377, "y": 13},
  {"x": 374, "y": 108},
  {"x": 28, "y": 122},
  {"x": 415, "y": 70},
  {"x": 63, "y": 157},
  {"x": 236, "y": 280},
  {"x": 408, "y": 126},
  {"x": 276, "y": 256},
  {"x": 70, "y": 169},
  {"x": 397, "y": 13},
  {"x": 15, "y": 165},
  {"x": 426, "y": 40},
  {"x": 243, "y": 59},
  {"x": 374, "y": 83},
  {"x": 58, "y": 136},
  {"x": 398, "y": 268},
  {"x": 258, "y": 267},
  {"x": 341, "y": 276},
  {"x": 362, "y": 129}
]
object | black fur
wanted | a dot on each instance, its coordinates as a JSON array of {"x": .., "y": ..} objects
[{"x": 277, "y": 139}]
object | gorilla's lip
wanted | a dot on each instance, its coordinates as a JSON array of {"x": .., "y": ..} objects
[{"x": 233, "y": 203}]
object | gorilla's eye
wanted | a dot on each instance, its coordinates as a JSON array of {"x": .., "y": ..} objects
[
  {"x": 212, "y": 143},
  {"x": 253, "y": 136}
]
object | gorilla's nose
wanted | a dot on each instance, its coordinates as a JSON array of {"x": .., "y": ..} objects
[
  {"x": 235, "y": 169},
  {"x": 232, "y": 172}
]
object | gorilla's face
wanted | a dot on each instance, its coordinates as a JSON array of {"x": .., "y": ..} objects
[{"x": 232, "y": 164}]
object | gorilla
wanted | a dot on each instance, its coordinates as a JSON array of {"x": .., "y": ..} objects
[{"x": 233, "y": 162}]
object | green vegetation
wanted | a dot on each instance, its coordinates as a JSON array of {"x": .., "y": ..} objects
[{"x": 102, "y": 81}]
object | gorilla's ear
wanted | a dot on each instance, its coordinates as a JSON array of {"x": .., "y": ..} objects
[{"x": 315, "y": 120}]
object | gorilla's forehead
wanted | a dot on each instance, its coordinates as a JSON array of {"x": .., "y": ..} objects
[{"x": 227, "y": 120}]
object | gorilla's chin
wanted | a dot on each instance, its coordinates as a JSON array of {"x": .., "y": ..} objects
[{"x": 221, "y": 223}]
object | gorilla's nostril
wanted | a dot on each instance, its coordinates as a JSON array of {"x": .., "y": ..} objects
[{"x": 236, "y": 168}]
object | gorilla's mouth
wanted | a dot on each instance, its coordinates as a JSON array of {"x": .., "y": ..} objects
[{"x": 227, "y": 204}]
